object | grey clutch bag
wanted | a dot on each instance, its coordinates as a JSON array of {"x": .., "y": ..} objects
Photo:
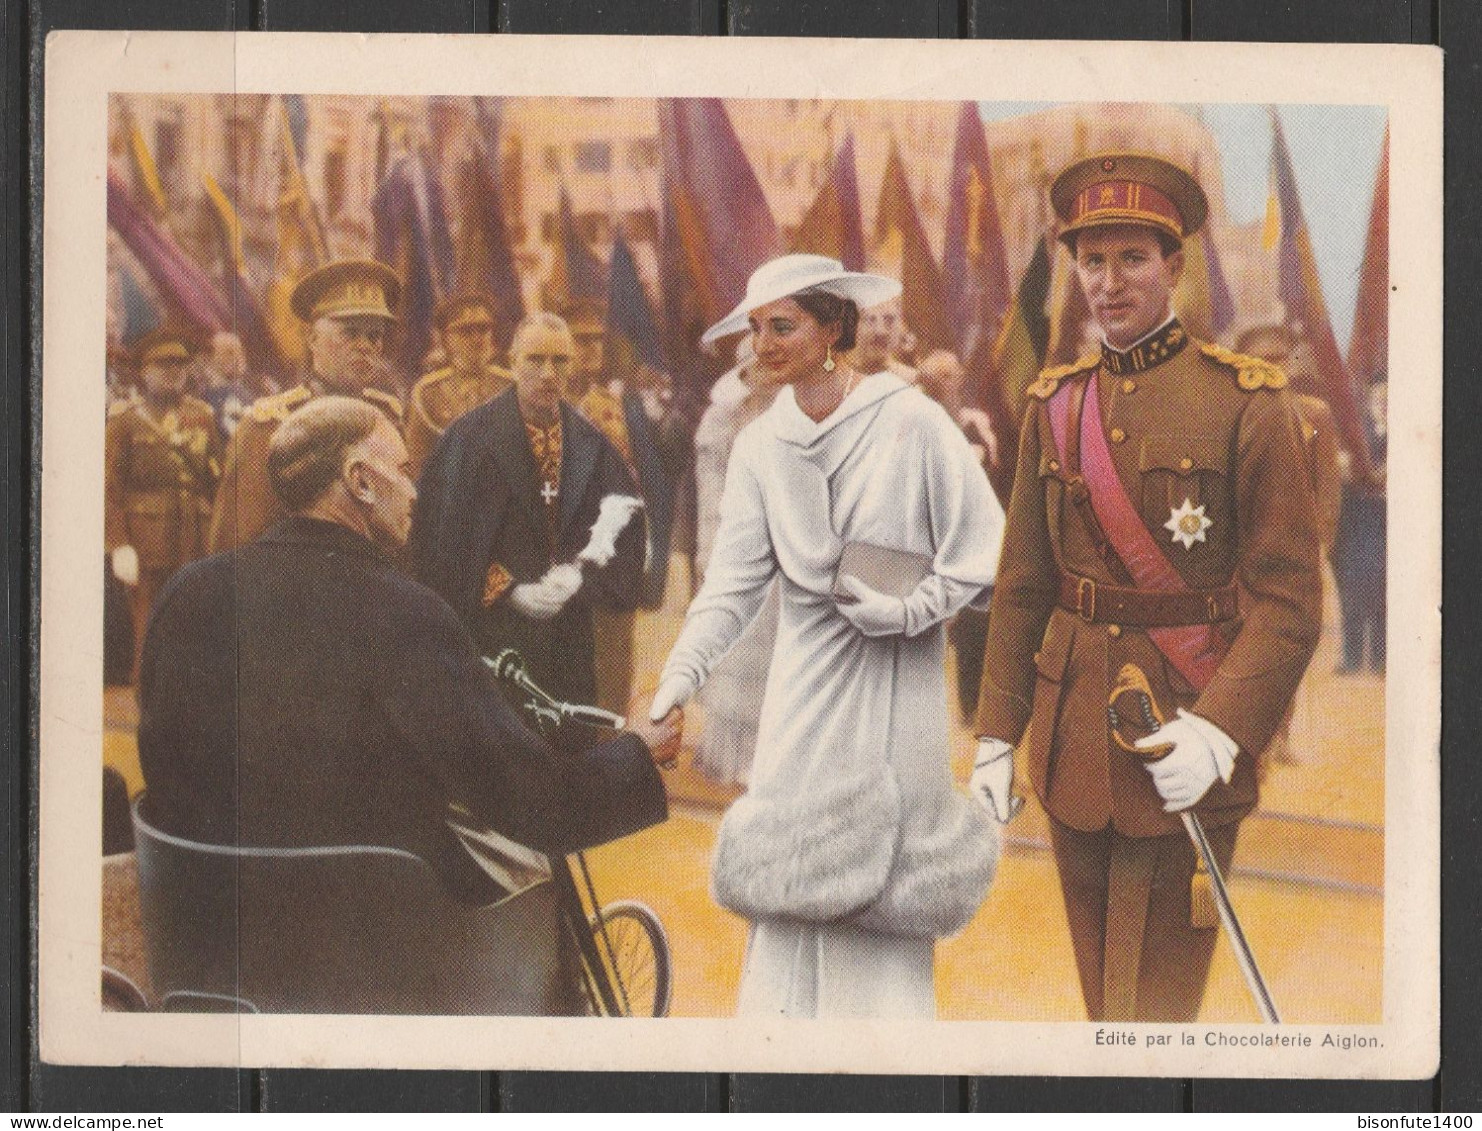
[{"x": 896, "y": 573}]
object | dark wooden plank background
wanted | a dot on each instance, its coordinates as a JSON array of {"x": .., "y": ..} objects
[{"x": 34, "y": 1086}]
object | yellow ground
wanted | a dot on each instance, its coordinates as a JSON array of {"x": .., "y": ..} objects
[
  {"x": 1014, "y": 961},
  {"x": 1309, "y": 872}
]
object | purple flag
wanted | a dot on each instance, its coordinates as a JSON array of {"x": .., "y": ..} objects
[
  {"x": 180, "y": 281},
  {"x": 974, "y": 266}
]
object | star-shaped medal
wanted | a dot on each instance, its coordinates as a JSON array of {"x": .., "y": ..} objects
[{"x": 1188, "y": 524}]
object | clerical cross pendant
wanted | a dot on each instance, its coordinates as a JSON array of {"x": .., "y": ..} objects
[{"x": 549, "y": 492}]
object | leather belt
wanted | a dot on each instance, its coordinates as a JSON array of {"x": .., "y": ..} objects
[{"x": 1097, "y": 603}]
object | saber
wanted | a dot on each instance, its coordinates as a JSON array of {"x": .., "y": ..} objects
[{"x": 1145, "y": 717}]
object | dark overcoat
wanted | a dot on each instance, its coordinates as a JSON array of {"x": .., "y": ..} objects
[
  {"x": 479, "y": 505},
  {"x": 300, "y": 691}
]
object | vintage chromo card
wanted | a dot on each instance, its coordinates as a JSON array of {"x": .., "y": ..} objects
[{"x": 755, "y": 555}]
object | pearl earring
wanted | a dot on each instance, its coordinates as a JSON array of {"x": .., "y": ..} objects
[{"x": 829, "y": 364}]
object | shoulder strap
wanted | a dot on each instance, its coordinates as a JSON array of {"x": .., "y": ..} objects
[{"x": 1075, "y": 488}]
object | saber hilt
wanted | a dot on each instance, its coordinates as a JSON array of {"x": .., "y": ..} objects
[{"x": 1133, "y": 715}]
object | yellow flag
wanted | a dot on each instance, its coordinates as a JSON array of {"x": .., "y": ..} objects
[{"x": 1271, "y": 231}]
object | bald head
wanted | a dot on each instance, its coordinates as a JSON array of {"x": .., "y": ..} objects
[
  {"x": 309, "y": 449},
  {"x": 541, "y": 356}
]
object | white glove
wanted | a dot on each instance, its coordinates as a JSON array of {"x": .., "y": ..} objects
[
  {"x": 674, "y": 691},
  {"x": 544, "y": 599},
  {"x": 1201, "y": 754},
  {"x": 126, "y": 565},
  {"x": 992, "y": 783},
  {"x": 873, "y": 613},
  {"x": 613, "y": 516}
]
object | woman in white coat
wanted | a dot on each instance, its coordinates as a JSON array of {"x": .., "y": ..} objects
[{"x": 851, "y": 852}]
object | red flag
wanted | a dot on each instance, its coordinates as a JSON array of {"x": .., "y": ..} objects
[
  {"x": 974, "y": 264},
  {"x": 899, "y": 236},
  {"x": 1368, "y": 347},
  {"x": 1300, "y": 289},
  {"x": 717, "y": 230},
  {"x": 832, "y": 224}
]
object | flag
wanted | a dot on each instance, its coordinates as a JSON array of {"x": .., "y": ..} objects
[
  {"x": 1368, "y": 345},
  {"x": 832, "y": 224},
  {"x": 411, "y": 226},
  {"x": 141, "y": 311},
  {"x": 191, "y": 294},
  {"x": 632, "y": 333},
  {"x": 1019, "y": 353},
  {"x": 301, "y": 241},
  {"x": 900, "y": 238},
  {"x": 1069, "y": 312},
  {"x": 577, "y": 275},
  {"x": 1014, "y": 363},
  {"x": 248, "y": 320},
  {"x": 1300, "y": 288},
  {"x": 1202, "y": 297},
  {"x": 722, "y": 222},
  {"x": 146, "y": 173},
  {"x": 486, "y": 262},
  {"x": 974, "y": 265},
  {"x": 717, "y": 230}
]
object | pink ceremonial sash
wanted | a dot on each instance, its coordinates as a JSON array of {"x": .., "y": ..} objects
[{"x": 1196, "y": 650}]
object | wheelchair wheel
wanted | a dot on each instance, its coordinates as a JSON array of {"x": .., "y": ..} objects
[{"x": 639, "y": 958}]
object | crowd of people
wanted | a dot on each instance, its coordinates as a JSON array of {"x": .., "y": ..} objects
[{"x": 305, "y": 573}]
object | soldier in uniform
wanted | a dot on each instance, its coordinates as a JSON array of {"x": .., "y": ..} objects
[
  {"x": 162, "y": 457},
  {"x": 465, "y": 328},
  {"x": 348, "y": 307},
  {"x": 1161, "y": 529}
]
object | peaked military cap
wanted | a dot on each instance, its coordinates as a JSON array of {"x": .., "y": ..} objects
[
  {"x": 347, "y": 288},
  {"x": 1128, "y": 188}
]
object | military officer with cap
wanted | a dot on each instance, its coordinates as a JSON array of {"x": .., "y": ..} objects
[
  {"x": 348, "y": 307},
  {"x": 465, "y": 329},
  {"x": 162, "y": 454},
  {"x": 1161, "y": 536}
]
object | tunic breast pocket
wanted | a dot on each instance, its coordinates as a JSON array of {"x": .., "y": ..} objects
[{"x": 1184, "y": 482}]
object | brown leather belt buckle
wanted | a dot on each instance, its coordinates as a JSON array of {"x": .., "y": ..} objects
[{"x": 1085, "y": 599}]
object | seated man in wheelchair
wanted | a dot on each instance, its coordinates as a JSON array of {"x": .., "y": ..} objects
[{"x": 301, "y": 691}]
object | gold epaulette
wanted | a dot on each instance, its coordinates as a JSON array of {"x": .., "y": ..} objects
[
  {"x": 1049, "y": 379},
  {"x": 389, "y": 403},
  {"x": 276, "y": 408},
  {"x": 196, "y": 405},
  {"x": 501, "y": 371},
  {"x": 1251, "y": 373},
  {"x": 434, "y": 376}
]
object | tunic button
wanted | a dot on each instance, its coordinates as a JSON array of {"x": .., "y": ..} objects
[
  {"x": 1054, "y": 465},
  {"x": 1118, "y": 435},
  {"x": 1114, "y": 630},
  {"x": 1186, "y": 464},
  {"x": 1129, "y": 386}
]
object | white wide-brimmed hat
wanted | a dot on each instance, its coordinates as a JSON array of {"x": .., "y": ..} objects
[{"x": 789, "y": 274}]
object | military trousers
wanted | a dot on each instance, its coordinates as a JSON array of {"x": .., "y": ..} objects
[{"x": 1127, "y": 898}]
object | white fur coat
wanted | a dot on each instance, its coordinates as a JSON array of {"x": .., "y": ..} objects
[{"x": 852, "y": 813}]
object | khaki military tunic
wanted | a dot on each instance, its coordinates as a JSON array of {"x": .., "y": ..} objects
[
  {"x": 245, "y": 502},
  {"x": 160, "y": 470},
  {"x": 1188, "y": 423},
  {"x": 440, "y": 398}
]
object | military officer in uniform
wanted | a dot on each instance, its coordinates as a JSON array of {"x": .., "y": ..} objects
[
  {"x": 348, "y": 307},
  {"x": 162, "y": 457},
  {"x": 465, "y": 328},
  {"x": 1161, "y": 531}
]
